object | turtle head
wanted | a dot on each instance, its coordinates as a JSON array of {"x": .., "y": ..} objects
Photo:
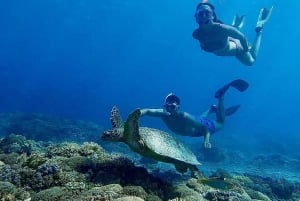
[
  {"x": 112, "y": 135},
  {"x": 116, "y": 133}
]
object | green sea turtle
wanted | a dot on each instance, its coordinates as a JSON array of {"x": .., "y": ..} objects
[{"x": 150, "y": 142}]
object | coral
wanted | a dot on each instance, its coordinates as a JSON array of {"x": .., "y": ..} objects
[
  {"x": 226, "y": 196},
  {"x": 80, "y": 163},
  {"x": 90, "y": 148},
  {"x": 282, "y": 188},
  {"x": 45, "y": 176},
  {"x": 70, "y": 171},
  {"x": 51, "y": 194},
  {"x": 9, "y": 190},
  {"x": 196, "y": 186},
  {"x": 64, "y": 150},
  {"x": 137, "y": 191},
  {"x": 111, "y": 191},
  {"x": 183, "y": 192},
  {"x": 121, "y": 170},
  {"x": 15, "y": 144},
  {"x": 6, "y": 188},
  {"x": 257, "y": 195},
  {"x": 151, "y": 197},
  {"x": 11, "y": 174},
  {"x": 129, "y": 198},
  {"x": 9, "y": 159},
  {"x": 76, "y": 187},
  {"x": 35, "y": 160},
  {"x": 70, "y": 176},
  {"x": 274, "y": 188}
]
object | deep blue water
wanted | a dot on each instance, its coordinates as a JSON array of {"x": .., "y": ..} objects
[{"x": 78, "y": 58}]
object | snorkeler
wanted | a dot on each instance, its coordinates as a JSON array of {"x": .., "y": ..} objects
[
  {"x": 183, "y": 123},
  {"x": 226, "y": 40}
]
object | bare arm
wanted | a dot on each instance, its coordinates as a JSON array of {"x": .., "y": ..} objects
[
  {"x": 153, "y": 112},
  {"x": 235, "y": 33}
]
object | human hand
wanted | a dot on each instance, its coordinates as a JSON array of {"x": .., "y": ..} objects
[
  {"x": 167, "y": 113},
  {"x": 207, "y": 145}
]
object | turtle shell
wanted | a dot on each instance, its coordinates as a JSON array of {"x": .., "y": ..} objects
[{"x": 164, "y": 144}]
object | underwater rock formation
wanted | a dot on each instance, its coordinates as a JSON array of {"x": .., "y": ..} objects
[
  {"x": 48, "y": 128},
  {"x": 70, "y": 171},
  {"x": 85, "y": 171}
]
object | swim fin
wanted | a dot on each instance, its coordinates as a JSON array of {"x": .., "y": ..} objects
[
  {"x": 238, "y": 84},
  {"x": 231, "y": 110},
  {"x": 263, "y": 17},
  {"x": 238, "y": 21},
  {"x": 228, "y": 111}
]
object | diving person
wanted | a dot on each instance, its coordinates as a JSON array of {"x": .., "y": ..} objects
[
  {"x": 226, "y": 40},
  {"x": 183, "y": 123}
]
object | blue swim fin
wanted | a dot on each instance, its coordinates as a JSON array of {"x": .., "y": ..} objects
[
  {"x": 231, "y": 110},
  {"x": 238, "y": 21},
  {"x": 238, "y": 84},
  {"x": 263, "y": 17}
]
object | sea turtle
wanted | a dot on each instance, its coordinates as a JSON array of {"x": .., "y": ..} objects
[{"x": 150, "y": 142}]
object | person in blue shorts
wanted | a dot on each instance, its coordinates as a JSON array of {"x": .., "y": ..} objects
[{"x": 183, "y": 123}]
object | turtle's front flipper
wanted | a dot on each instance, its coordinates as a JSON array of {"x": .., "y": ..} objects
[
  {"x": 195, "y": 173},
  {"x": 116, "y": 133},
  {"x": 181, "y": 167},
  {"x": 115, "y": 118},
  {"x": 131, "y": 127}
]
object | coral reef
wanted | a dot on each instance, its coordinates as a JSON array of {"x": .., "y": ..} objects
[{"x": 48, "y": 171}]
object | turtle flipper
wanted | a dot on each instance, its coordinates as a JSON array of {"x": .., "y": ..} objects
[
  {"x": 131, "y": 127},
  {"x": 116, "y": 133},
  {"x": 115, "y": 118}
]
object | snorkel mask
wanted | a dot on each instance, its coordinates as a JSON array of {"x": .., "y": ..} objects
[
  {"x": 172, "y": 103},
  {"x": 205, "y": 13}
]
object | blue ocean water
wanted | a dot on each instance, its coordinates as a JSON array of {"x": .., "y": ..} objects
[{"x": 78, "y": 58}]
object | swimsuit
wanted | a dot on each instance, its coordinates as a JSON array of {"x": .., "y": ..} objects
[{"x": 209, "y": 124}]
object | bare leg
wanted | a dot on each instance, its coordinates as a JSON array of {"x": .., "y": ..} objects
[
  {"x": 256, "y": 45},
  {"x": 220, "y": 114},
  {"x": 206, "y": 113}
]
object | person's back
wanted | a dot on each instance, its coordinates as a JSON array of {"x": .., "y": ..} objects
[
  {"x": 211, "y": 38},
  {"x": 183, "y": 123}
]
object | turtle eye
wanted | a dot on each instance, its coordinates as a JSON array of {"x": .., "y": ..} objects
[{"x": 106, "y": 134}]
